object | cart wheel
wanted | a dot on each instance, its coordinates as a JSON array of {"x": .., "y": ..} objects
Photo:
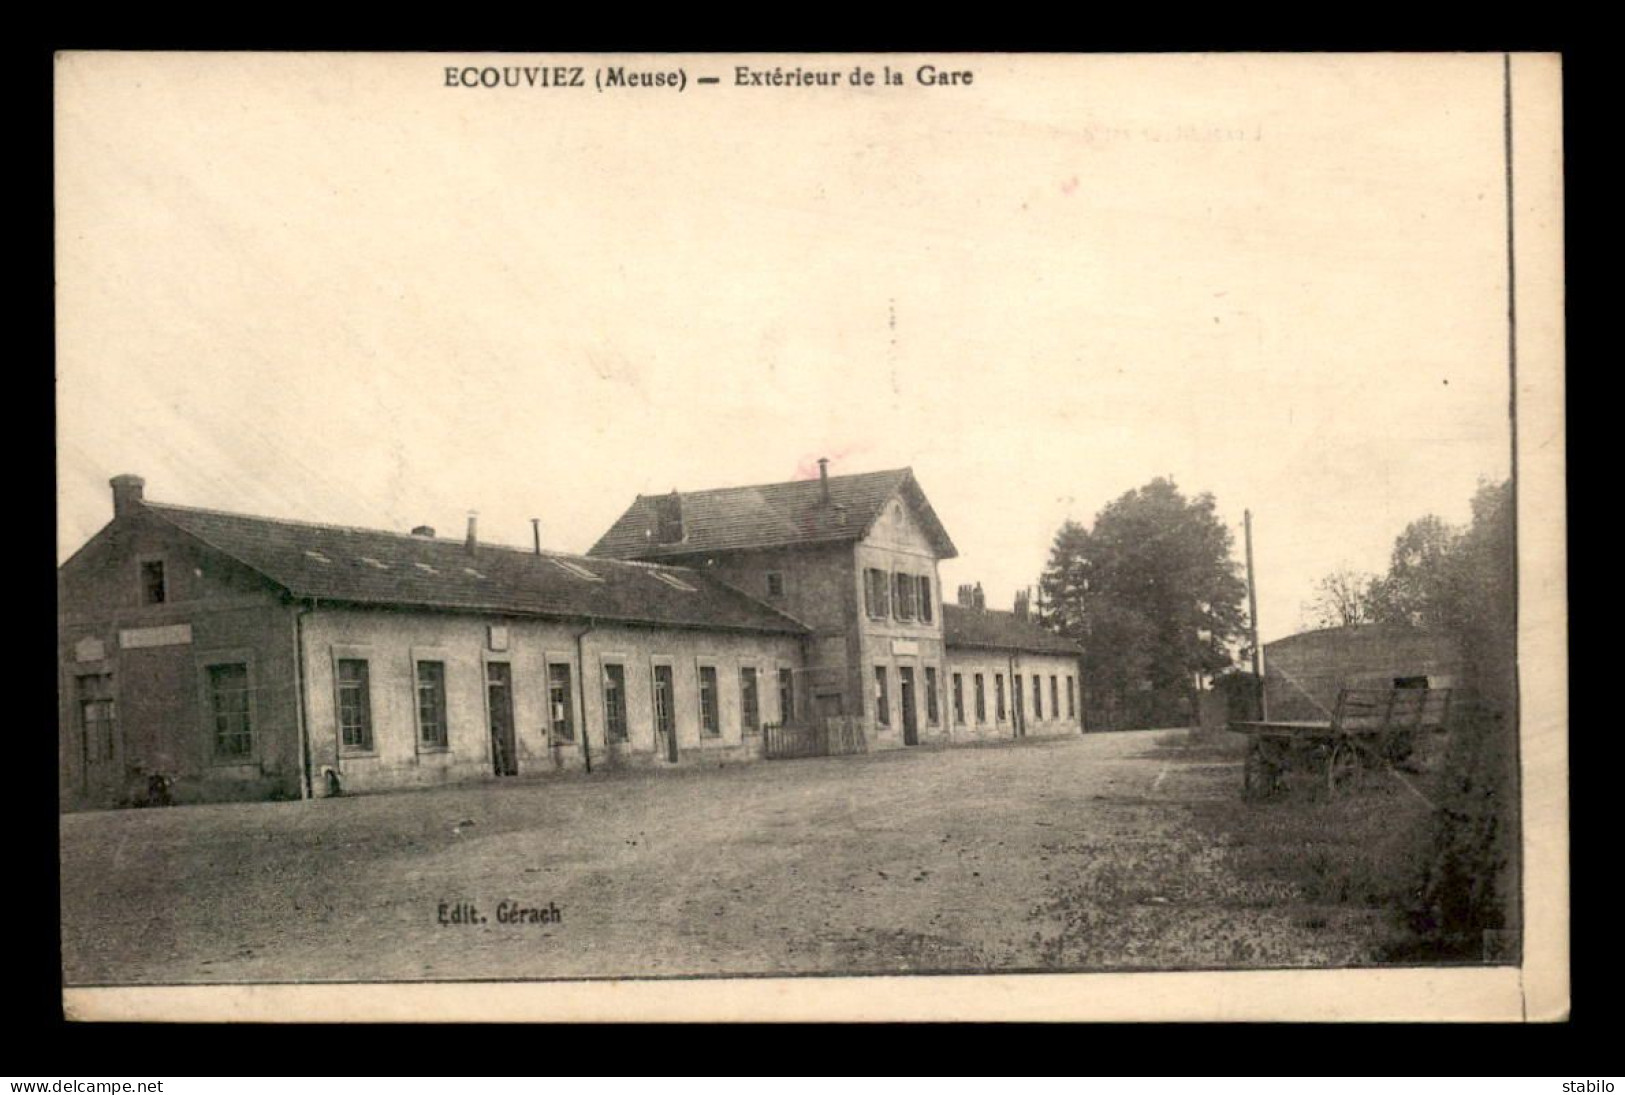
[
  {"x": 1258, "y": 775},
  {"x": 1342, "y": 767}
]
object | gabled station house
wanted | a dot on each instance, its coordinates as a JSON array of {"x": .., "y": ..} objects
[{"x": 209, "y": 656}]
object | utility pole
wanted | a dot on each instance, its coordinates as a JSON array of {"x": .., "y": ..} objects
[{"x": 1252, "y": 618}]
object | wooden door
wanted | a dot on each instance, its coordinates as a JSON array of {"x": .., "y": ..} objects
[
  {"x": 101, "y": 747},
  {"x": 499, "y": 701},
  {"x": 911, "y": 728},
  {"x": 665, "y": 714}
]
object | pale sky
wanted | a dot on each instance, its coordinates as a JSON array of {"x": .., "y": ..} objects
[{"x": 330, "y": 288}]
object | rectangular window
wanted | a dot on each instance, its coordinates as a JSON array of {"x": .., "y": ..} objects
[
  {"x": 878, "y": 593},
  {"x": 750, "y": 708},
  {"x": 1054, "y": 697},
  {"x": 1020, "y": 698},
  {"x": 97, "y": 719},
  {"x": 925, "y": 598},
  {"x": 905, "y": 592},
  {"x": 1038, "y": 698},
  {"x": 154, "y": 591},
  {"x": 787, "y": 696},
  {"x": 998, "y": 695},
  {"x": 882, "y": 701},
  {"x": 560, "y": 702},
  {"x": 959, "y": 698},
  {"x": 775, "y": 584},
  {"x": 228, "y": 705},
  {"x": 710, "y": 721},
  {"x": 981, "y": 699},
  {"x": 432, "y": 704},
  {"x": 1071, "y": 699},
  {"x": 931, "y": 714},
  {"x": 615, "y": 702},
  {"x": 355, "y": 704}
]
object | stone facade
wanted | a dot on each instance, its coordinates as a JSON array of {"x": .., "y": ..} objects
[{"x": 188, "y": 674}]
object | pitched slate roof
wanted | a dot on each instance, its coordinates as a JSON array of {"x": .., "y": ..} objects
[
  {"x": 364, "y": 566},
  {"x": 772, "y": 515},
  {"x": 993, "y": 630}
]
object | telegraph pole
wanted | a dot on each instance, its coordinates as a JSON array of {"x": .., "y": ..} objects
[{"x": 1252, "y": 618}]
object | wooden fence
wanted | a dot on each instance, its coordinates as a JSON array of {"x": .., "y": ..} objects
[{"x": 831, "y": 737}]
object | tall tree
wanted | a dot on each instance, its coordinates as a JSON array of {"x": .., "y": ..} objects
[
  {"x": 1153, "y": 594},
  {"x": 1341, "y": 598},
  {"x": 1415, "y": 589}
]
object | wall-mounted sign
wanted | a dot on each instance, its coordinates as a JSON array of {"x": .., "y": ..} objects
[
  {"x": 172, "y": 635},
  {"x": 498, "y": 636},
  {"x": 90, "y": 649},
  {"x": 905, "y": 646}
]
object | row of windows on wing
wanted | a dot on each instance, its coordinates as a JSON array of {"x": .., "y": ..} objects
[
  {"x": 897, "y": 594},
  {"x": 355, "y": 701},
  {"x": 979, "y": 692}
]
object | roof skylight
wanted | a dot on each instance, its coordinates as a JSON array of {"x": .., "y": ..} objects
[{"x": 577, "y": 569}]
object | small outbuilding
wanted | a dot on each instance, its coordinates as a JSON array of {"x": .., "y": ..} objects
[{"x": 1303, "y": 672}]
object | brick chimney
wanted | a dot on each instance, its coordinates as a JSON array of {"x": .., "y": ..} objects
[
  {"x": 966, "y": 597},
  {"x": 978, "y": 598},
  {"x": 669, "y": 518},
  {"x": 473, "y": 540},
  {"x": 823, "y": 477},
  {"x": 127, "y": 494},
  {"x": 1023, "y": 601}
]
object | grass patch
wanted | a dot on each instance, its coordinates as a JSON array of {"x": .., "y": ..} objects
[{"x": 1363, "y": 850}]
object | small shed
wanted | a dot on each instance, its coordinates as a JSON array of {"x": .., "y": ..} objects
[{"x": 1303, "y": 672}]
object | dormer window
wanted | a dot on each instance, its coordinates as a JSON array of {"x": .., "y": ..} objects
[
  {"x": 672, "y": 580},
  {"x": 374, "y": 563},
  {"x": 154, "y": 589},
  {"x": 316, "y": 556},
  {"x": 775, "y": 584},
  {"x": 426, "y": 568}
]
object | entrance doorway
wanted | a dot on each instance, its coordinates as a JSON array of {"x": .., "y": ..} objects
[
  {"x": 101, "y": 745},
  {"x": 911, "y": 726},
  {"x": 499, "y": 701},
  {"x": 665, "y": 714}
]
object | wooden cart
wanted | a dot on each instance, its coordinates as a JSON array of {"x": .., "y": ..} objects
[{"x": 1370, "y": 728}]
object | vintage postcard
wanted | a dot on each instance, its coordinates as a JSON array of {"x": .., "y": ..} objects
[{"x": 815, "y": 536}]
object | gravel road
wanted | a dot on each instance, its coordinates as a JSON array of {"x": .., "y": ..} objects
[{"x": 1077, "y": 854}]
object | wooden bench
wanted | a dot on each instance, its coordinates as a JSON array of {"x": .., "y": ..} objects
[{"x": 1369, "y": 728}]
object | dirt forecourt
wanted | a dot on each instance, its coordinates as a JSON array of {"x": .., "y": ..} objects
[{"x": 1078, "y": 854}]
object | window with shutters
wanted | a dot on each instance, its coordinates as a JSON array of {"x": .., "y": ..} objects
[
  {"x": 906, "y": 591},
  {"x": 1038, "y": 697},
  {"x": 932, "y": 715},
  {"x": 981, "y": 699},
  {"x": 998, "y": 696},
  {"x": 926, "y": 607},
  {"x": 1054, "y": 697},
  {"x": 959, "y": 698}
]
